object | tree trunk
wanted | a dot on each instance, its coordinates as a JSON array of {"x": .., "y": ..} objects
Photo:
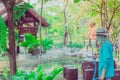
[
  {"x": 101, "y": 13},
  {"x": 40, "y": 31},
  {"x": 65, "y": 20},
  {"x": 65, "y": 33},
  {"x": 9, "y": 4},
  {"x": 65, "y": 38},
  {"x": 11, "y": 51}
]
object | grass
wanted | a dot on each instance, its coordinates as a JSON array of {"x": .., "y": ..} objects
[{"x": 50, "y": 64}]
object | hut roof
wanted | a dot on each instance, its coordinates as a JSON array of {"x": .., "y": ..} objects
[{"x": 3, "y": 13}]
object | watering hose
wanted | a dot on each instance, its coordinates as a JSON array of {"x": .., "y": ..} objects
[{"x": 94, "y": 78}]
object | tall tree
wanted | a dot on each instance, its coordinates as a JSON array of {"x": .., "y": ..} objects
[
  {"x": 65, "y": 21},
  {"x": 41, "y": 29},
  {"x": 107, "y": 10},
  {"x": 9, "y": 4}
]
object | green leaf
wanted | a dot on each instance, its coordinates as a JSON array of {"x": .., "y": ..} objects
[
  {"x": 31, "y": 76},
  {"x": 3, "y": 35},
  {"x": 47, "y": 43},
  {"x": 19, "y": 10},
  {"x": 40, "y": 73},
  {"x": 5, "y": 73},
  {"x": 31, "y": 43},
  {"x": 39, "y": 68},
  {"x": 28, "y": 5},
  {"x": 76, "y": 1},
  {"x": 18, "y": 78},
  {"x": 53, "y": 74}
]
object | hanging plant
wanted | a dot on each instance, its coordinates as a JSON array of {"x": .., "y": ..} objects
[{"x": 19, "y": 10}]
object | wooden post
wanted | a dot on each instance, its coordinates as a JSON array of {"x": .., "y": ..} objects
[
  {"x": 71, "y": 73},
  {"x": 88, "y": 74},
  {"x": 64, "y": 72},
  {"x": 87, "y": 47},
  {"x": 117, "y": 74},
  {"x": 65, "y": 68},
  {"x": 90, "y": 42}
]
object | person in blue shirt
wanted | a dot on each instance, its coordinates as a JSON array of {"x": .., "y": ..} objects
[{"x": 106, "y": 62}]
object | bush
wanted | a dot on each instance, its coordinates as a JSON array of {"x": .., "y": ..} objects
[
  {"x": 31, "y": 43},
  {"x": 75, "y": 45},
  {"x": 47, "y": 43},
  {"x": 36, "y": 75}
]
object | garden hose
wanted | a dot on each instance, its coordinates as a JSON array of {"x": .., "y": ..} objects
[{"x": 94, "y": 78}]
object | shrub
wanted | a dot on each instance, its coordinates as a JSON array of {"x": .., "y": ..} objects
[
  {"x": 75, "y": 45},
  {"x": 31, "y": 43},
  {"x": 35, "y": 75},
  {"x": 47, "y": 43}
]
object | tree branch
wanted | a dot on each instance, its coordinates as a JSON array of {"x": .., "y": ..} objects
[
  {"x": 101, "y": 10},
  {"x": 94, "y": 3},
  {"x": 114, "y": 11},
  {"x": 117, "y": 7}
]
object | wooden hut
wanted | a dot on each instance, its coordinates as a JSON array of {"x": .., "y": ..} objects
[{"x": 28, "y": 23}]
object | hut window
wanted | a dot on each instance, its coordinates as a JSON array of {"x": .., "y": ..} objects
[{"x": 28, "y": 24}]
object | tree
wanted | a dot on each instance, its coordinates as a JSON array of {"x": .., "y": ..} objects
[
  {"x": 9, "y": 4},
  {"x": 65, "y": 21},
  {"x": 41, "y": 26},
  {"x": 74, "y": 21},
  {"x": 107, "y": 9}
]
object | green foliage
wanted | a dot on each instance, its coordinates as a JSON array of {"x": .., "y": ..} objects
[
  {"x": 20, "y": 9},
  {"x": 59, "y": 45},
  {"x": 5, "y": 73},
  {"x": 76, "y": 21},
  {"x": 75, "y": 45},
  {"x": 22, "y": 75},
  {"x": 3, "y": 35},
  {"x": 46, "y": 0},
  {"x": 76, "y": 1},
  {"x": 47, "y": 43},
  {"x": 31, "y": 43},
  {"x": 115, "y": 33},
  {"x": 53, "y": 74},
  {"x": 16, "y": 36},
  {"x": 36, "y": 75}
]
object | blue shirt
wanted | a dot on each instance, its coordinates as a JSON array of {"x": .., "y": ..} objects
[{"x": 106, "y": 59}]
